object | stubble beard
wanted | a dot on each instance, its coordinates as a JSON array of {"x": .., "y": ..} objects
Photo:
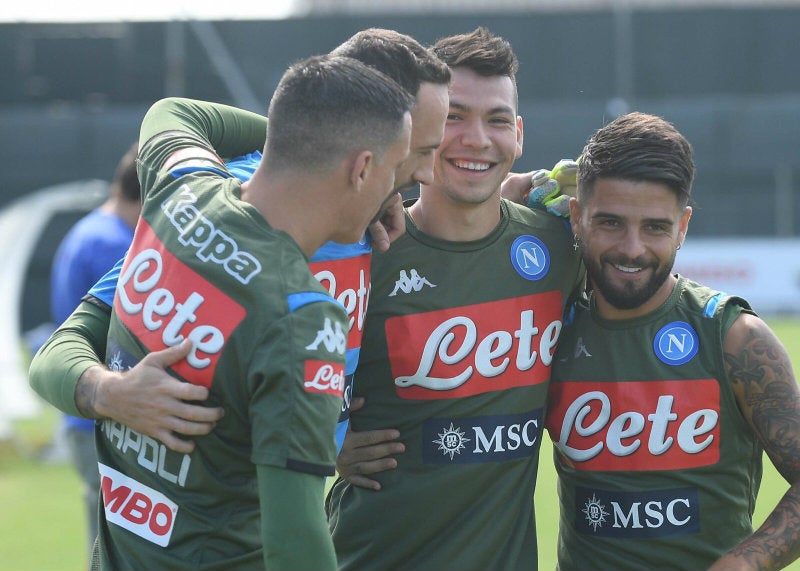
[{"x": 629, "y": 295}]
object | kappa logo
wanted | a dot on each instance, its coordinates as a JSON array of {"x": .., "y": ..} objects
[
  {"x": 209, "y": 242},
  {"x": 331, "y": 336},
  {"x": 676, "y": 343},
  {"x": 637, "y": 515},
  {"x": 408, "y": 283},
  {"x": 530, "y": 257},
  {"x": 580, "y": 349}
]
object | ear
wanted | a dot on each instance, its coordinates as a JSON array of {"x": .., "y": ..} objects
[
  {"x": 360, "y": 168},
  {"x": 519, "y": 138},
  {"x": 683, "y": 225}
]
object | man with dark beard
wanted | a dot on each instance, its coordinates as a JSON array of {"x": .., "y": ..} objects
[{"x": 665, "y": 392}]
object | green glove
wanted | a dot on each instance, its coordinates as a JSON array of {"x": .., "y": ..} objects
[{"x": 552, "y": 189}]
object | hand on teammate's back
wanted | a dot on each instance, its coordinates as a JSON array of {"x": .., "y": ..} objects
[{"x": 154, "y": 403}]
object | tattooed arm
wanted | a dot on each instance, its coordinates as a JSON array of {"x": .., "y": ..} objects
[{"x": 760, "y": 371}]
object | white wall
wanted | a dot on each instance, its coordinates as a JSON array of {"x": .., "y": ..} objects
[{"x": 764, "y": 271}]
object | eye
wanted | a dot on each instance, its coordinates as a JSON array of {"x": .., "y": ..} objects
[{"x": 657, "y": 228}]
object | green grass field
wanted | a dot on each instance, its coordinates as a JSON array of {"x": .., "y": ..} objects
[{"x": 41, "y": 525}]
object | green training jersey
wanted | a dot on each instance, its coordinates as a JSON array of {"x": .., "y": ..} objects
[
  {"x": 268, "y": 342},
  {"x": 657, "y": 467},
  {"x": 456, "y": 354}
]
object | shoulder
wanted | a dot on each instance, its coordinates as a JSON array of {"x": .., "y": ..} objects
[
  {"x": 538, "y": 222},
  {"x": 533, "y": 216},
  {"x": 711, "y": 303}
]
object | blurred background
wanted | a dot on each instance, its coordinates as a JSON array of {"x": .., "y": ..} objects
[{"x": 725, "y": 72}]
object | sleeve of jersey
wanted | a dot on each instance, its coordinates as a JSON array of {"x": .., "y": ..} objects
[
  {"x": 79, "y": 343},
  {"x": 296, "y": 384},
  {"x": 294, "y": 527},
  {"x": 229, "y": 130},
  {"x": 727, "y": 309}
]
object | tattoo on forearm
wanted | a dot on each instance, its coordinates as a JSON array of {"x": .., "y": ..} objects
[{"x": 762, "y": 372}]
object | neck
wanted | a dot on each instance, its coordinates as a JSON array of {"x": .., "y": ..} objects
[
  {"x": 285, "y": 207},
  {"x": 127, "y": 210},
  {"x": 441, "y": 217},
  {"x": 608, "y": 311}
]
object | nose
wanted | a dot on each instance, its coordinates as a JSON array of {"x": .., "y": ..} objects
[
  {"x": 424, "y": 172},
  {"x": 475, "y": 135},
  {"x": 631, "y": 244}
]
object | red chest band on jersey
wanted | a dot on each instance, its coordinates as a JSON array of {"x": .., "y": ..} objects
[
  {"x": 162, "y": 301},
  {"x": 348, "y": 282},
  {"x": 474, "y": 349},
  {"x": 655, "y": 425}
]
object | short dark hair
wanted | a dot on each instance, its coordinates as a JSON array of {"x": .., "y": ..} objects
[
  {"x": 481, "y": 51},
  {"x": 328, "y": 106},
  {"x": 126, "y": 181},
  {"x": 638, "y": 147},
  {"x": 397, "y": 55}
]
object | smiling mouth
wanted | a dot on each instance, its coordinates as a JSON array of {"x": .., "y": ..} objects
[
  {"x": 475, "y": 166},
  {"x": 628, "y": 269}
]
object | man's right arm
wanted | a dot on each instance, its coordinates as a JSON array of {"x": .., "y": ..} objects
[
  {"x": 72, "y": 349},
  {"x": 68, "y": 373}
]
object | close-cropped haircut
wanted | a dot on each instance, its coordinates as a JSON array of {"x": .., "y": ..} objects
[
  {"x": 638, "y": 147},
  {"x": 397, "y": 55},
  {"x": 126, "y": 180},
  {"x": 326, "y": 107},
  {"x": 481, "y": 51}
]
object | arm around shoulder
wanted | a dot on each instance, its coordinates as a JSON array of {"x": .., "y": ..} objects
[{"x": 230, "y": 130}]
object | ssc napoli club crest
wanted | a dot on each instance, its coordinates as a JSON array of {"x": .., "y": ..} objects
[
  {"x": 676, "y": 343},
  {"x": 530, "y": 257}
]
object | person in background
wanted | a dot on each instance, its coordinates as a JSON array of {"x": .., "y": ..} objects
[{"x": 84, "y": 255}]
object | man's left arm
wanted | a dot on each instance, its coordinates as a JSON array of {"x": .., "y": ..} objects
[{"x": 760, "y": 372}]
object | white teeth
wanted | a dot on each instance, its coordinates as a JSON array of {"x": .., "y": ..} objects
[
  {"x": 472, "y": 166},
  {"x": 627, "y": 269}
]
